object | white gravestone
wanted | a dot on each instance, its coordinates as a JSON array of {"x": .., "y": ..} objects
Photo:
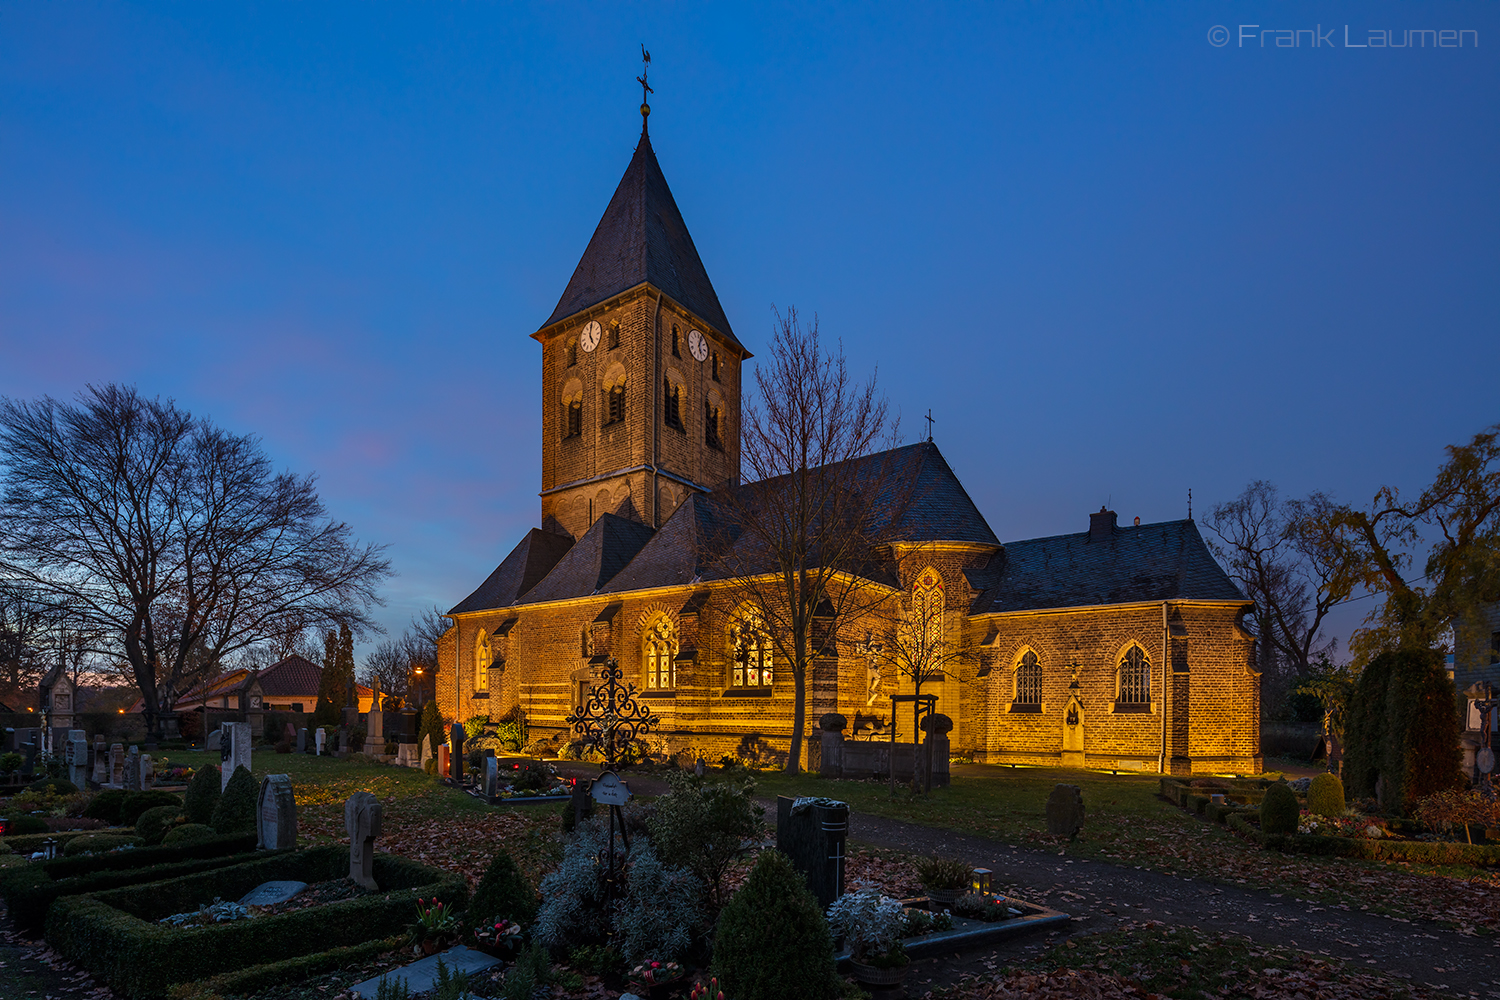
[
  {"x": 276, "y": 815},
  {"x": 148, "y": 772},
  {"x": 321, "y": 740},
  {"x": 132, "y": 777},
  {"x": 237, "y": 741}
]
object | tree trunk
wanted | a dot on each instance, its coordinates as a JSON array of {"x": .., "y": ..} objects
[{"x": 799, "y": 718}]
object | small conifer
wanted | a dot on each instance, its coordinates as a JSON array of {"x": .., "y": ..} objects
[
  {"x": 202, "y": 794},
  {"x": 236, "y": 809},
  {"x": 774, "y": 914}
]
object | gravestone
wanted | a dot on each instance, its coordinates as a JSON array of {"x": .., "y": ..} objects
[
  {"x": 456, "y": 751},
  {"x": 29, "y": 750},
  {"x": 426, "y": 753},
  {"x": 291, "y": 732},
  {"x": 117, "y": 765},
  {"x": 491, "y": 776},
  {"x": 215, "y": 740},
  {"x": 271, "y": 893},
  {"x": 583, "y": 802},
  {"x": 320, "y": 741},
  {"x": 831, "y": 760},
  {"x": 8, "y": 744},
  {"x": 406, "y": 754},
  {"x": 100, "y": 773},
  {"x": 302, "y": 746},
  {"x": 812, "y": 832},
  {"x": 421, "y": 977},
  {"x": 342, "y": 745},
  {"x": 78, "y": 760},
  {"x": 1065, "y": 811},
  {"x": 375, "y": 720},
  {"x": 236, "y": 751},
  {"x": 148, "y": 771},
  {"x": 362, "y": 821},
  {"x": 276, "y": 814},
  {"x": 133, "y": 770},
  {"x": 935, "y": 747},
  {"x": 442, "y": 760}
]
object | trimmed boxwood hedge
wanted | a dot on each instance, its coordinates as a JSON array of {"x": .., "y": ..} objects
[
  {"x": 114, "y": 934},
  {"x": 291, "y": 970},
  {"x": 27, "y": 843},
  {"x": 31, "y": 889},
  {"x": 1422, "y": 851}
]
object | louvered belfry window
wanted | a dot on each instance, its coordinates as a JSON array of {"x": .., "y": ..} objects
[
  {"x": 1029, "y": 680},
  {"x": 575, "y": 418},
  {"x": 616, "y": 404},
  {"x": 672, "y": 408},
  {"x": 1135, "y": 678},
  {"x": 711, "y": 426}
]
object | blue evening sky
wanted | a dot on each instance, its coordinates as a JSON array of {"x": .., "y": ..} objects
[{"x": 1116, "y": 260}]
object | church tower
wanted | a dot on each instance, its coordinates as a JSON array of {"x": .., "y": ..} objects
[{"x": 640, "y": 369}]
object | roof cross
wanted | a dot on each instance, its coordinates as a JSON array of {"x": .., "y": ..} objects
[{"x": 929, "y": 420}]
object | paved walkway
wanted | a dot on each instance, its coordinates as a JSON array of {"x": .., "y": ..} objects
[{"x": 1099, "y": 895}]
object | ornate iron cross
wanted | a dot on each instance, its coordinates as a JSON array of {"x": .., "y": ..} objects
[{"x": 611, "y": 716}]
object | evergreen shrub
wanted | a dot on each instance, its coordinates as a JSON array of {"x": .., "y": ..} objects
[
  {"x": 1325, "y": 795},
  {"x": 59, "y": 785},
  {"x": 188, "y": 833},
  {"x": 431, "y": 727},
  {"x": 96, "y": 843},
  {"x": 202, "y": 794},
  {"x": 662, "y": 912},
  {"x": 22, "y": 825},
  {"x": 1279, "y": 810},
  {"x": 137, "y": 803},
  {"x": 503, "y": 893},
  {"x": 106, "y": 806},
  {"x": 772, "y": 941},
  {"x": 153, "y": 824},
  {"x": 701, "y": 825},
  {"x": 236, "y": 808},
  {"x": 1422, "y": 755}
]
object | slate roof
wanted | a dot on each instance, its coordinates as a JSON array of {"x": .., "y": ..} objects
[
  {"x": 291, "y": 676},
  {"x": 1152, "y": 562},
  {"x": 671, "y": 557},
  {"x": 528, "y": 563},
  {"x": 642, "y": 238},
  {"x": 593, "y": 560}
]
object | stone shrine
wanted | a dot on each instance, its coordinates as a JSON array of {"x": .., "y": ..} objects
[
  {"x": 362, "y": 821},
  {"x": 276, "y": 814}
]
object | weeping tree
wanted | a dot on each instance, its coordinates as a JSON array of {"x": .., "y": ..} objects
[{"x": 173, "y": 542}]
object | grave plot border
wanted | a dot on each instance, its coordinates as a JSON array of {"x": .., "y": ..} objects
[
  {"x": 114, "y": 934},
  {"x": 260, "y": 977},
  {"x": 30, "y": 891},
  {"x": 26, "y": 843},
  {"x": 969, "y": 933}
]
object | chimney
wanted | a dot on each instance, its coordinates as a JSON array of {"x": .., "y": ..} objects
[{"x": 1102, "y": 525}]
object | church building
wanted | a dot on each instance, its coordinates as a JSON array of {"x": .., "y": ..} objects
[{"x": 1118, "y": 647}]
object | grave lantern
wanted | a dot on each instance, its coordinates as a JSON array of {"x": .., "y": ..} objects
[
  {"x": 980, "y": 881},
  {"x": 4, "y": 826},
  {"x": 49, "y": 848}
]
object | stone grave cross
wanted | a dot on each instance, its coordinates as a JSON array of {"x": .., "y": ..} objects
[{"x": 362, "y": 820}]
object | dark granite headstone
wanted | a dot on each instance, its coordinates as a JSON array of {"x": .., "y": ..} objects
[
  {"x": 456, "y": 752},
  {"x": 302, "y": 741},
  {"x": 276, "y": 815},
  {"x": 1065, "y": 811},
  {"x": 812, "y": 832}
]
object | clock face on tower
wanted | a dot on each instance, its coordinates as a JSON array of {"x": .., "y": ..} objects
[
  {"x": 589, "y": 339},
  {"x": 698, "y": 344}
]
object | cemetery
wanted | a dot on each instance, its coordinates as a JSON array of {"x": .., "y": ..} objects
[{"x": 237, "y": 867}]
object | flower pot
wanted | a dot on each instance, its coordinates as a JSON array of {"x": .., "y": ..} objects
[
  {"x": 943, "y": 898},
  {"x": 872, "y": 976}
]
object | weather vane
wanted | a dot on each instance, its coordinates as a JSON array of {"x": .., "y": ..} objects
[{"x": 645, "y": 87}]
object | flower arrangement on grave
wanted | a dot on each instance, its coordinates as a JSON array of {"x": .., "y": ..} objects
[
  {"x": 649, "y": 974},
  {"x": 943, "y": 880},
  {"x": 871, "y": 926},
  {"x": 499, "y": 937},
  {"x": 173, "y": 776},
  {"x": 919, "y": 922},
  {"x": 435, "y": 928},
  {"x": 1341, "y": 826},
  {"x": 709, "y": 992},
  {"x": 987, "y": 906}
]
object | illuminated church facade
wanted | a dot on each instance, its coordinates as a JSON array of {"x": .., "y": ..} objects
[{"x": 1119, "y": 647}]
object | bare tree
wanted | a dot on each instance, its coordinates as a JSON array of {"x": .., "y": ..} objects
[
  {"x": 172, "y": 538},
  {"x": 25, "y": 618},
  {"x": 914, "y": 635},
  {"x": 798, "y": 543},
  {"x": 390, "y": 663},
  {"x": 1273, "y": 548}
]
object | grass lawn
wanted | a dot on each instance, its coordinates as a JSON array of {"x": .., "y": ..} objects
[
  {"x": 422, "y": 818},
  {"x": 1128, "y": 824}
]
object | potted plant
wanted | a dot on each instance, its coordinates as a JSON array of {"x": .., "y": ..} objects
[
  {"x": 500, "y": 937},
  {"x": 647, "y": 975},
  {"x": 435, "y": 929},
  {"x": 871, "y": 925},
  {"x": 943, "y": 881}
]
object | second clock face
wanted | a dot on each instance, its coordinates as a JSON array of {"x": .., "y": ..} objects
[
  {"x": 698, "y": 344},
  {"x": 589, "y": 339}
]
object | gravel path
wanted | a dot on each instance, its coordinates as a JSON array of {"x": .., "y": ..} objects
[{"x": 1099, "y": 895}]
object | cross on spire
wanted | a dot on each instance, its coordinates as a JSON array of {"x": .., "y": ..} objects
[
  {"x": 929, "y": 420},
  {"x": 645, "y": 87}
]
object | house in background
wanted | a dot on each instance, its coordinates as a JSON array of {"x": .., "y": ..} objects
[
  {"x": 290, "y": 685},
  {"x": 1475, "y": 669}
]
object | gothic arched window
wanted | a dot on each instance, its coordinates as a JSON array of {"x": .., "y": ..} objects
[
  {"x": 750, "y": 647},
  {"x": 1135, "y": 678},
  {"x": 484, "y": 655},
  {"x": 661, "y": 654},
  {"x": 1029, "y": 680},
  {"x": 927, "y": 612}
]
